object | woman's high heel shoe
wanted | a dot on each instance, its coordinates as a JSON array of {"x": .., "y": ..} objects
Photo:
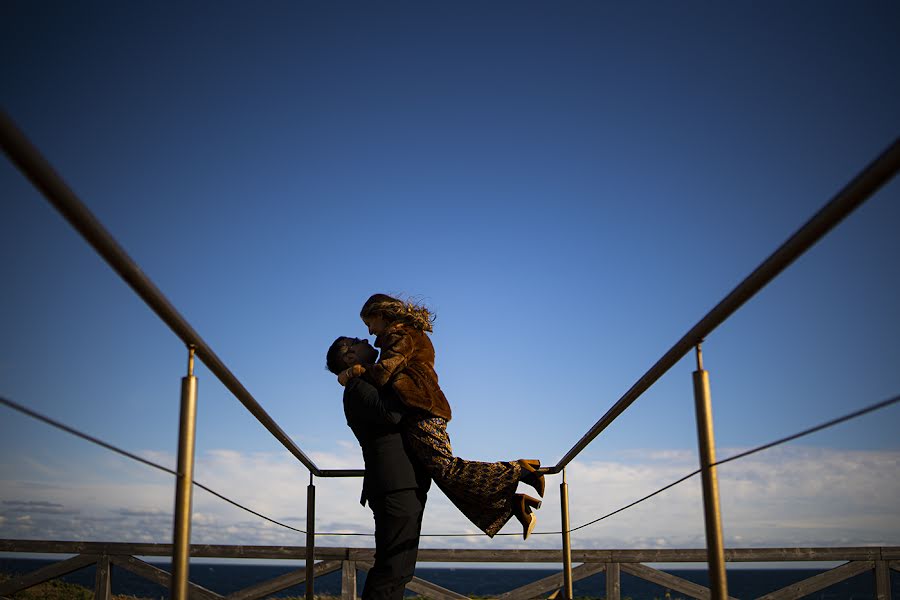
[
  {"x": 530, "y": 475},
  {"x": 522, "y": 505}
]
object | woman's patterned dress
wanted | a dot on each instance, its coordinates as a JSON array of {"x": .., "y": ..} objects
[{"x": 483, "y": 491}]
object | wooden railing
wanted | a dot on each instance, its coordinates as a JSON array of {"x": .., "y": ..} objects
[{"x": 856, "y": 560}]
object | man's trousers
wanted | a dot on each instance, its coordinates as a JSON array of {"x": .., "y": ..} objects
[{"x": 398, "y": 522}]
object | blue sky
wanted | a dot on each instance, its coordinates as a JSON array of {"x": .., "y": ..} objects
[{"x": 571, "y": 187}]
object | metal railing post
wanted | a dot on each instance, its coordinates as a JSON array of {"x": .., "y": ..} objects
[
  {"x": 181, "y": 545},
  {"x": 718, "y": 584},
  {"x": 310, "y": 536},
  {"x": 566, "y": 543}
]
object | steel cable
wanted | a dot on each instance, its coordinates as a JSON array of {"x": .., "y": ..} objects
[
  {"x": 125, "y": 453},
  {"x": 805, "y": 432},
  {"x": 778, "y": 442}
]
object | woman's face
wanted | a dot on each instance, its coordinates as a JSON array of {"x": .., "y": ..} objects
[{"x": 375, "y": 323}]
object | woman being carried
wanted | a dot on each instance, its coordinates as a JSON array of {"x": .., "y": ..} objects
[{"x": 485, "y": 492}]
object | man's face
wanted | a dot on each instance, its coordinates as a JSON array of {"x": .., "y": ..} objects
[{"x": 359, "y": 351}]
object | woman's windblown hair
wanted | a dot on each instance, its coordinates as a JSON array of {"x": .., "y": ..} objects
[{"x": 393, "y": 309}]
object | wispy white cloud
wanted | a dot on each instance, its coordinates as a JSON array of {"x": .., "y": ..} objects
[
  {"x": 31, "y": 506},
  {"x": 791, "y": 496},
  {"x": 796, "y": 496}
]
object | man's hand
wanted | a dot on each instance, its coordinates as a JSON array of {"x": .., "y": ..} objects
[{"x": 348, "y": 374}]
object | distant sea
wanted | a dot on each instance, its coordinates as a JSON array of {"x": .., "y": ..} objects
[{"x": 225, "y": 579}]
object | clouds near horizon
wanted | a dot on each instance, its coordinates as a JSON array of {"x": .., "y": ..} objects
[{"x": 794, "y": 496}]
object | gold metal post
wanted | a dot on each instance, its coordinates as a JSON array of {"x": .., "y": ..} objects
[
  {"x": 181, "y": 545},
  {"x": 310, "y": 536},
  {"x": 566, "y": 543},
  {"x": 715, "y": 549}
]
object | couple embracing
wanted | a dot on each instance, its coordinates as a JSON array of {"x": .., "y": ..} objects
[{"x": 399, "y": 414}]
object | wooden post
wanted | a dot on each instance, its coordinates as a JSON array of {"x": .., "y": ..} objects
[
  {"x": 613, "y": 585},
  {"x": 348, "y": 580},
  {"x": 882, "y": 580},
  {"x": 102, "y": 583}
]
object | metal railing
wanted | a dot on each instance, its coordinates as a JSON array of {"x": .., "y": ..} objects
[
  {"x": 36, "y": 168},
  {"x": 874, "y": 176}
]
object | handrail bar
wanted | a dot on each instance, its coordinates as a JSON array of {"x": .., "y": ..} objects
[
  {"x": 36, "y": 168},
  {"x": 875, "y": 175},
  {"x": 340, "y": 473}
]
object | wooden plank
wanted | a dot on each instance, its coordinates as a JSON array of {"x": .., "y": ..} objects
[
  {"x": 613, "y": 582},
  {"x": 433, "y": 590},
  {"x": 460, "y": 555},
  {"x": 478, "y": 555},
  {"x": 160, "y": 577},
  {"x": 890, "y": 552},
  {"x": 32, "y": 578},
  {"x": 133, "y": 549},
  {"x": 802, "y": 554},
  {"x": 895, "y": 565},
  {"x": 356, "y": 554},
  {"x": 820, "y": 581},
  {"x": 667, "y": 580},
  {"x": 639, "y": 555},
  {"x": 551, "y": 582},
  {"x": 348, "y": 580},
  {"x": 147, "y": 571},
  {"x": 882, "y": 580},
  {"x": 102, "y": 584},
  {"x": 283, "y": 582},
  {"x": 699, "y": 555},
  {"x": 423, "y": 587},
  {"x": 272, "y": 552}
]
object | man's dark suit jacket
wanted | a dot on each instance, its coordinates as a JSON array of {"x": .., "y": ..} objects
[{"x": 375, "y": 420}]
